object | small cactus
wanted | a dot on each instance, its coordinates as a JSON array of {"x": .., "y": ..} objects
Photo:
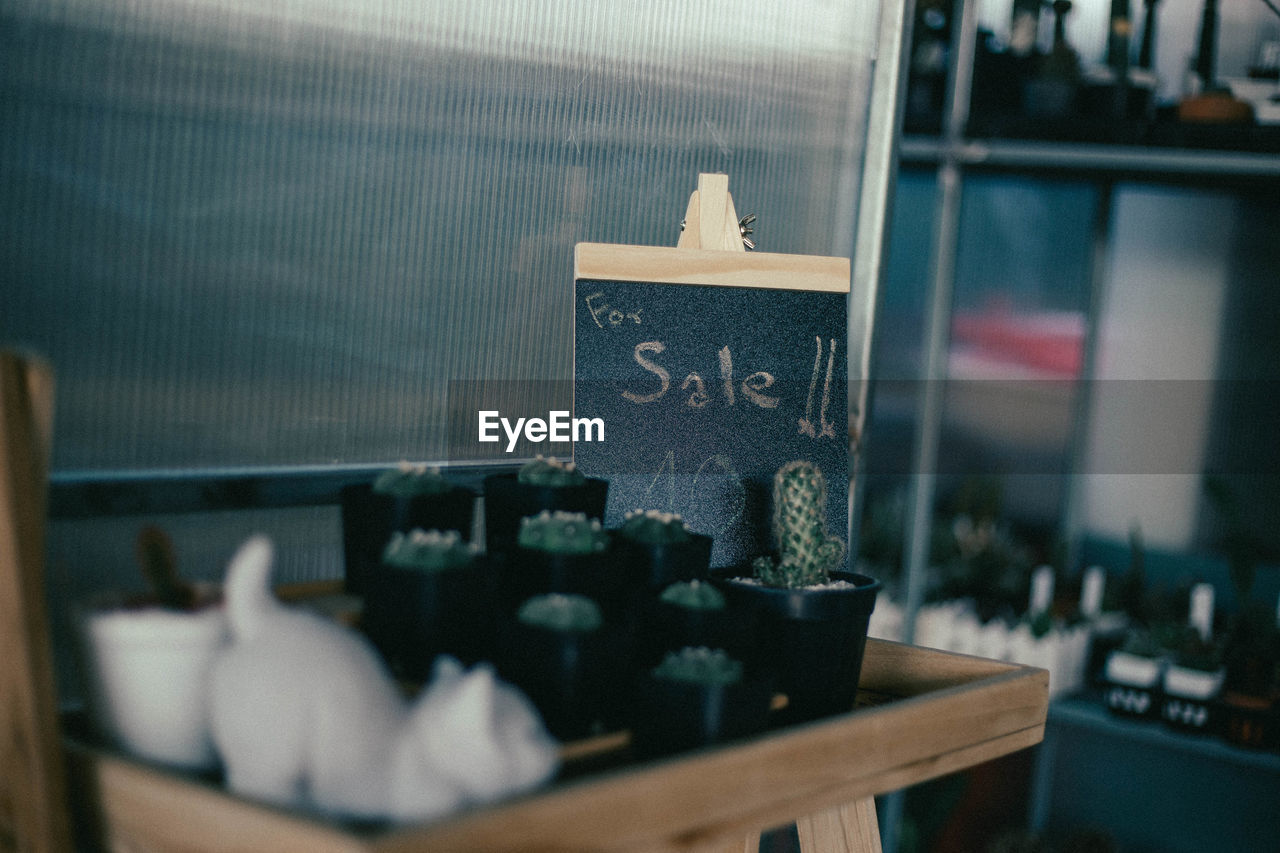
[
  {"x": 652, "y": 527},
  {"x": 549, "y": 471},
  {"x": 693, "y": 595},
  {"x": 408, "y": 480},
  {"x": 561, "y": 612},
  {"x": 806, "y": 553},
  {"x": 699, "y": 665},
  {"x": 428, "y": 550},
  {"x": 562, "y": 532}
]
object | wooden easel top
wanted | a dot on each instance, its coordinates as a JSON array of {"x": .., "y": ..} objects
[
  {"x": 710, "y": 221},
  {"x": 710, "y": 252}
]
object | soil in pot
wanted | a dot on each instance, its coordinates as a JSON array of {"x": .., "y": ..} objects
[
  {"x": 369, "y": 518},
  {"x": 812, "y": 639},
  {"x": 507, "y": 501}
]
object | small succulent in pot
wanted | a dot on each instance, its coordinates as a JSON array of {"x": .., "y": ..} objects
[
  {"x": 693, "y": 613},
  {"x": 430, "y": 596},
  {"x": 654, "y": 527},
  {"x": 550, "y": 472},
  {"x": 558, "y": 649},
  {"x": 562, "y": 532},
  {"x": 566, "y": 552},
  {"x": 660, "y": 549},
  {"x": 699, "y": 665},
  {"x": 544, "y": 483},
  {"x": 697, "y": 696},
  {"x": 560, "y": 612},
  {"x": 428, "y": 550},
  {"x": 693, "y": 595},
  {"x": 400, "y": 499},
  {"x": 408, "y": 480},
  {"x": 813, "y": 614}
]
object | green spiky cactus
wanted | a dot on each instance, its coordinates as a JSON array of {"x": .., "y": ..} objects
[
  {"x": 652, "y": 527},
  {"x": 693, "y": 595},
  {"x": 556, "y": 611},
  {"x": 550, "y": 471},
  {"x": 699, "y": 665},
  {"x": 806, "y": 552},
  {"x": 562, "y": 533},
  {"x": 407, "y": 480},
  {"x": 428, "y": 550}
]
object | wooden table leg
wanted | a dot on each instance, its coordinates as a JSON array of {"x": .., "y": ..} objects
[{"x": 850, "y": 828}]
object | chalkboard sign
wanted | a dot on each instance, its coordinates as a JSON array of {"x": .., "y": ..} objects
[{"x": 708, "y": 370}]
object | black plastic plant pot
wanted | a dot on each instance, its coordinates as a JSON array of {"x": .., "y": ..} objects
[
  {"x": 576, "y": 679},
  {"x": 663, "y": 627},
  {"x": 507, "y": 500},
  {"x": 671, "y": 716},
  {"x": 812, "y": 639},
  {"x": 369, "y": 518},
  {"x": 526, "y": 572},
  {"x": 661, "y": 564},
  {"x": 413, "y": 615}
]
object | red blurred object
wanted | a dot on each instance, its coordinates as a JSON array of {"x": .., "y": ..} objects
[{"x": 1049, "y": 341}]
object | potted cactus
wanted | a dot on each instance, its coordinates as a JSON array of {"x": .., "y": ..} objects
[
  {"x": 693, "y": 613},
  {"x": 558, "y": 551},
  {"x": 813, "y": 613},
  {"x": 659, "y": 548},
  {"x": 558, "y": 649},
  {"x": 545, "y": 483},
  {"x": 399, "y": 499},
  {"x": 430, "y": 596},
  {"x": 697, "y": 696}
]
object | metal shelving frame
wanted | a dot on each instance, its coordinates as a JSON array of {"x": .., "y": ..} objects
[{"x": 953, "y": 154}]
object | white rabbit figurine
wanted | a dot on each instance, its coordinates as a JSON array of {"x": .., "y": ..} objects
[{"x": 305, "y": 715}]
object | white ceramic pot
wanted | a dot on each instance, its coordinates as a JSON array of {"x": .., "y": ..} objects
[{"x": 146, "y": 671}]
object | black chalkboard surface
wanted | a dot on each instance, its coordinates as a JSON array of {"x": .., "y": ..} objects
[{"x": 709, "y": 370}]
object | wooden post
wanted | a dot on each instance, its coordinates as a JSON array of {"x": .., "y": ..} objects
[{"x": 33, "y": 791}]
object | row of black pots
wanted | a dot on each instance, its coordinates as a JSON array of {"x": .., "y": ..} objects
[
  {"x": 413, "y": 615},
  {"x": 807, "y": 643},
  {"x": 581, "y": 682},
  {"x": 369, "y": 518},
  {"x": 1247, "y": 721}
]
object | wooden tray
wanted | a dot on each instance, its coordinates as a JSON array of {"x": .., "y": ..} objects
[{"x": 926, "y": 714}]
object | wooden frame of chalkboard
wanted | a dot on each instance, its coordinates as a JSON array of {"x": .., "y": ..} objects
[{"x": 707, "y": 370}]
